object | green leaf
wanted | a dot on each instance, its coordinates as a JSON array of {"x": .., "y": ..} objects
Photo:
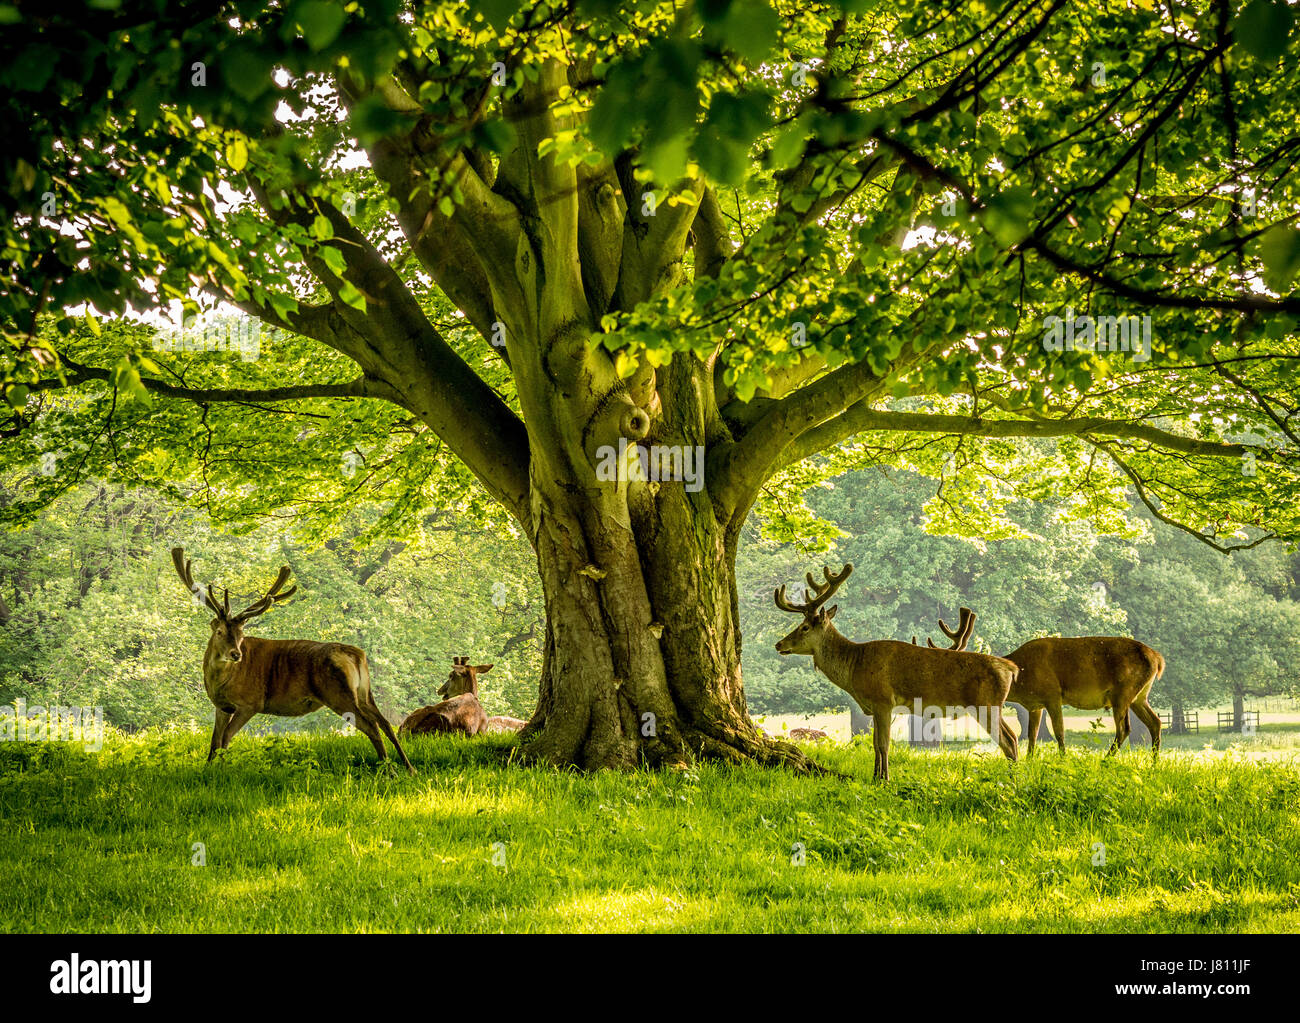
[
  {"x": 667, "y": 160},
  {"x": 321, "y": 22},
  {"x": 1280, "y": 251},
  {"x": 372, "y": 119},
  {"x": 333, "y": 259},
  {"x": 237, "y": 155},
  {"x": 1262, "y": 28},
  {"x": 247, "y": 72},
  {"x": 750, "y": 29},
  {"x": 497, "y": 135},
  {"x": 497, "y": 12},
  {"x": 1007, "y": 216},
  {"x": 349, "y": 294},
  {"x": 788, "y": 146},
  {"x": 126, "y": 378}
]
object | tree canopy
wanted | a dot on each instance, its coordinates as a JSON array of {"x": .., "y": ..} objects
[{"x": 1029, "y": 248}]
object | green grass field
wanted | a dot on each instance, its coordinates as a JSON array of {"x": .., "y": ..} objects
[{"x": 304, "y": 833}]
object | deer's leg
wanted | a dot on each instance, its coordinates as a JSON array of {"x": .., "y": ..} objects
[
  {"x": 1149, "y": 718},
  {"x": 237, "y": 721},
  {"x": 1035, "y": 723},
  {"x": 1058, "y": 725},
  {"x": 382, "y": 722},
  {"x": 1006, "y": 739},
  {"x": 218, "y": 731},
  {"x": 1005, "y": 736},
  {"x": 1121, "y": 726},
  {"x": 366, "y": 725},
  {"x": 880, "y": 739},
  {"x": 343, "y": 702}
]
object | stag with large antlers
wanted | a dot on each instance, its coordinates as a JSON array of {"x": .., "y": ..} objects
[
  {"x": 884, "y": 674},
  {"x": 1089, "y": 672},
  {"x": 244, "y": 675}
]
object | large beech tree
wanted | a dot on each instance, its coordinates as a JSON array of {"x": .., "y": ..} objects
[{"x": 499, "y": 242}]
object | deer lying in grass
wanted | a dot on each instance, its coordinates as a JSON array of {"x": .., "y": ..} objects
[
  {"x": 1091, "y": 673},
  {"x": 460, "y": 712},
  {"x": 885, "y": 674},
  {"x": 244, "y": 675}
]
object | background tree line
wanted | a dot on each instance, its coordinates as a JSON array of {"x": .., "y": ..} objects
[{"x": 91, "y": 612}]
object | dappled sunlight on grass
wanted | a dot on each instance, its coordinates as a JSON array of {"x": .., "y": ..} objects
[
  {"x": 627, "y": 911},
  {"x": 307, "y": 833}
]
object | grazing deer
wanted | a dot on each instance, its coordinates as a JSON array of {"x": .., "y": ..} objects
[
  {"x": 460, "y": 711},
  {"x": 244, "y": 675},
  {"x": 1091, "y": 673},
  {"x": 884, "y": 674}
]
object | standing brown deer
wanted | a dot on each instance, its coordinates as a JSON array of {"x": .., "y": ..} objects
[
  {"x": 1089, "y": 672},
  {"x": 884, "y": 674},
  {"x": 244, "y": 675},
  {"x": 460, "y": 711},
  {"x": 960, "y": 636}
]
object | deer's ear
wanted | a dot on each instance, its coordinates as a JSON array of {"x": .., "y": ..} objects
[
  {"x": 483, "y": 669},
  {"x": 829, "y": 613}
]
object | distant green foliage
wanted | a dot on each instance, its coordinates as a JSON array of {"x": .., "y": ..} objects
[
  {"x": 97, "y": 617},
  {"x": 1223, "y": 622}
]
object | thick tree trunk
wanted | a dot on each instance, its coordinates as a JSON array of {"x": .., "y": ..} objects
[
  {"x": 1238, "y": 711},
  {"x": 642, "y": 656}
]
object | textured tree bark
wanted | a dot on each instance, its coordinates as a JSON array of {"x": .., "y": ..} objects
[{"x": 642, "y": 652}]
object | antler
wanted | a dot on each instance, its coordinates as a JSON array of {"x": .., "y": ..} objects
[
  {"x": 960, "y": 636},
  {"x": 271, "y": 597},
  {"x": 184, "y": 568},
  {"x": 820, "y": 593}
]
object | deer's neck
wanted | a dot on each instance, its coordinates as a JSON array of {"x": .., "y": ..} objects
[{"x": 837, "y": 657}]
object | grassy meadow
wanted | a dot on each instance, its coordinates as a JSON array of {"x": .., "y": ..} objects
[{"x": 304, "y": 833}]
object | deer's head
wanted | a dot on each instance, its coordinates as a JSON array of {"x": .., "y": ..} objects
[
  {"x": 463, "y": 678},
  {"x": 806, "y": 638},
  {"x": 227, "y": 641}
]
